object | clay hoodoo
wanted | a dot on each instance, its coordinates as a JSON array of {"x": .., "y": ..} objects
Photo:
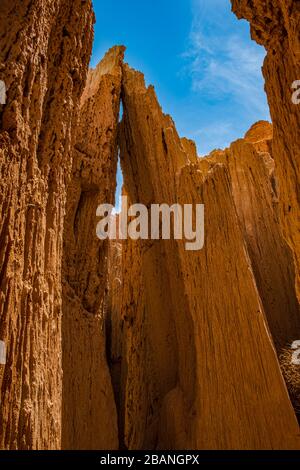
[
  {"x": 44, "y": 64},
  {"x": 255, "y": 191},
  {"x": 223, "y": 348},
  {"x": 89, "y": 413},
  {"x": 275, "y": 24}
]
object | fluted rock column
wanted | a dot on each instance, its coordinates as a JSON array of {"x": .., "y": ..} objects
[
  {"x": 201, "y": 368},
  {"x": 89, "y": 412},
  {"x": 45, "y": 46},
  {"x": 275, "y": 24}
]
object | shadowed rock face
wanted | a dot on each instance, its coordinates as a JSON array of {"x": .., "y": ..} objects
[
  {"x": 275, "y": 24},
  {"x": 44, "y": 52},
  {"x": 89, "y": 414}
]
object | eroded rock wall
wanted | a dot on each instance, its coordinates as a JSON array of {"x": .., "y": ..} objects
[
  {"x": 45, "y": 47},
  {"x": 89, "y": 412},
  {"x": 275, "y": 24},
  {"x": 155, "y": 297},
  {"x": 234, "y": 347},
  {"x": 254, "y": 188},
  {"x": 217, "y": 344},
  {"x": 188, "y": 335},
  {"x": 255, "y": 191}
]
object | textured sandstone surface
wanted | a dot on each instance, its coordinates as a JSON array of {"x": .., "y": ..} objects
[
  {"x": 255, "y": 193},
  {"x": 89, "y": 413},
  {"x": 151, "y": 349},
  {"x": 114, "y": 324},
  {"x": 275, "y": 24},
  {"x": 142, "y": 344},
  {"x": 230, "y": 372},
  {"x": 218, "y": 347},
  {"x": 44, "y": 52},
  {"x": 254, "y": 189}
]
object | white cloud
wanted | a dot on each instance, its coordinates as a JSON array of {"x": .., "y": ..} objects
[{"x": 224, "y": 65}]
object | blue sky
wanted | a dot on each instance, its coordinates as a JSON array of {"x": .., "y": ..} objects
[{"x": 200, "y": 58}]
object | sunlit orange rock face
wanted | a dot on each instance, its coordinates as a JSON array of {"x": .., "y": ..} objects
[
  {"x": 197, "y": 331},
  {"x": 275, "y": 24},
  {"x": 45, "y": 47},
  {"x": 251, "y": 167},
  {"x": 141, "y": 344},
  {"x": 255, "y": 191}
]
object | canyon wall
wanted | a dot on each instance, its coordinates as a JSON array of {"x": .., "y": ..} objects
[
  {"x": 254, "y": 184},
  {"x": 45, "y": 47},
  {"x": 142, "y": 344},
  {"x": 275, "y": 24},
  {"x": 254, "y": 188},
  {"x": 193, "y": 365},
  {"x": 89, "y": 418}
]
